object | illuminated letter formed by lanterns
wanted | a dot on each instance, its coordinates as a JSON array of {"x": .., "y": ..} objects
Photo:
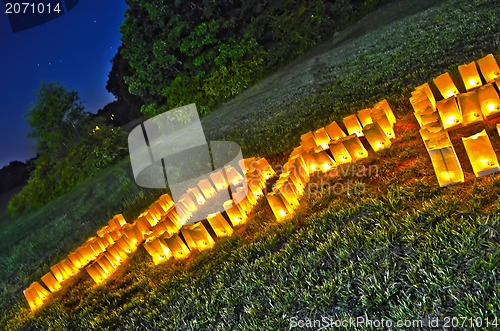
[
  {"x": 470, "y": 76},
  {"x": 220, "y": 226},
  {"x": 445, "y": 162},
  {"x": 489, "y": 101},
  {"x": 481, "y": 154},
  {"x": 197, "y": 237},
  {"x": 352, "y": 125},
  {"x": 449, "y": 113},
  {"x": 446, "y": 86},
  {"x": 470, "y": 108},
  {"x": 489, "y": 68},
  {"x": 35, "y": 295},
  {"x": 376, "y": 137},
  {"x": 158, "y": 250},
  {"x": 355, "y": 148},
  {"x": 51, "y": 283},
  {"x": 334, "y": 131}
]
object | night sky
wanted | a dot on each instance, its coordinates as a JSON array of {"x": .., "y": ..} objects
[{"x": 74, "y": 49}]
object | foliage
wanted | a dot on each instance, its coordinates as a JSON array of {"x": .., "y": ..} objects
[{"x": 206, "y": 52}]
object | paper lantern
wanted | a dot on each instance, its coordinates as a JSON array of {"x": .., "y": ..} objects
[
  {"x": 498, "y": 128},
  {"x": 307, "y": 141},
  {"x": 133, "y": 234},
  {"x": 125, "y": 245},
  {"x": 334, "y": 131},
  {"x": 446, "y": 86},
  {"x": 384, "y": 105},
  {"x": 69, "y": 267},
  {"x": 489, "y": 101},
  {"x": 59, "y": 273},
  {"x": 219, "y": 180},
  {"x": 430, "y": 132},
  {"x": 234, "y": 213},
  {"x": 470, "y": 76},
  {"x": 481, "y": 154},
  {"x": 87, "y": 253},
  {"x": 174, "y": 218},
  {"x": 489, "y": 68},
  {"x": 321, "y": 138},
  {"x": 117, "y": 253},
  {"x": 277, "y": 206},
  {"x": 242, "y": 202},
  {"x": 220, "y": 226},
  {"x": 263, "y": 167},
  {"x": 77, "y": 259},
  {"x": 35, "y": 294},
  {"x": 52, "y": 284},
  {"x": 352, "y": 125},
  {"x": 158, "y": 250},
  {"x": 197, "y": 237},
  {"x": 376, "y": 137},
  {"x": 96, "y": 272},
  {"x": 425, "y": 89},
  {"x": 422, "y": 106},
  {"x": 176, "y": 246},
  {"x": 470, "y": 108},
  {"x": 288, "y": 193},
  {"x": 117, "y": 222},
  {"x": 324, "y": 161},
  {"x": 381, "y": 118},
  {"x": 426, "y": 116},
  {"x": 297, "y": 180},
  {"x": 450, "y": 115},
  {"x": 340, "y": 153},
  {"x": 364, "y": 116},
  {"x": 207, "y": 189},
  {"x": 354, "y": 147},
  {"x": 103, "y": 231},
  {"x": 106, "y": 265},
  {"x": 432, "y": 119},
  {"x": 445, "y": 162},
  {"x": 233, "y": 176},
  {"x": 310, "y": 162}
]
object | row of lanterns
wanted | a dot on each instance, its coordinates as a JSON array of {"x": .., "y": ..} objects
[
  {"x": 161, "y": 228},
  {"x": 327, "y": 148},
  {"x": 479, "y": 103}
]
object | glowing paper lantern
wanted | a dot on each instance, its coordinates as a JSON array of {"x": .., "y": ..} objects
[
  {"x": 446, "y": 86},
  {"x": 340, "y": 153},
  {"x": 334, "y": 131},
  {"x": 376, "y": 137},
  {"x": 384, "y": 105},
  {"x": 425, "y": 89},
  {"x": 59, "y": 273},
  {"x": 422, "y": 106},
  {"x": 207, "y": 189},
  {"x": 97, "y": 273},
  {"x": 364, "y": 116},
  {"x": 35, "y": 295},
  {"x": 77, "y": 259},
  {"x": 381, "y": 118},
  {"x": 277, "y": 205},
  {"x": 489, "y": 101},
  {"x": 310, "y": 162},
  {"x": 498, "y": 128},
  {"x": 264, "y": 168},
  {"x": 470, "y": 76},
  {"x": 51, "y": 283},
  {"x": 158, "y": 250},
  {"x": 324, "y": 161},
  {"x": 106, "y": 265},
  {"x": 197, "y": 237},
  {"x": 233, "y": 176},
  {"x": 352, "y": 125},
  {"x": 288, "y": 193},
  {"x": 321, "y": 138},
  {"x": 117, "y": 222},
  {"x": 445, "y": 162},
  {"x": 481, "y": 154},
  {"x": 117, "y": 253},
  {"x": 103, "y": 231},
  {"x": 307, "y": 141},
  {"x": 220, "y": 226},
  {"x": 450, "y": 115},
  {"x": 176, "y": 246},
  {"x": 197, "y": 196},
  {"x": 219, "y": 180},
  {"x": 430, "y": 132},
  {"x": 166, "y": 202},
  {"x": 431, "y": 119},
  {"x": 427, "y": 115},
  {"x": 470, "y": 108},
  {"x": 125, "y": 245},
  {"x": 69, "y": 267},
  {"x": 489, "y": 68},
  {"x": 355, "y": 148},
  {"x": 133, "y": 234},
  {"x": 234, "y": 214},
  {"x": 174, "y": 218}
]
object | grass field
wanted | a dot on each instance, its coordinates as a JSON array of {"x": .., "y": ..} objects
[{"x": 402, "y": 249}]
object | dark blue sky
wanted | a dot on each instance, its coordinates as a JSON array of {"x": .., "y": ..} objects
[{"x": 74, "y": 49}]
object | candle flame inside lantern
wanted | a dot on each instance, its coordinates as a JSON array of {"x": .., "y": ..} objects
[
  {"x": 452, "y": 120},
  {"x": 324, "y": 145},
  {"x": 450, "y": 93},
  {"x": 326, "y": 166},
  {"x": 492, "y": 107},
  {"x": 282, "y": 213},
  {"x": 473, "y": 82},
  {"x": 380, "y": 144}
]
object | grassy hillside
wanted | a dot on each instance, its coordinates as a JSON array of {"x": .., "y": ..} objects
[{"x": 403, "y": 249}]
